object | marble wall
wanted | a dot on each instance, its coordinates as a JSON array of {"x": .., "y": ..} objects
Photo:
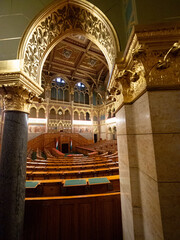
[
  {"x": 148, "y": 146},
  {"x": 129, "y": 178},
  {"x": 165, "y": 118}
]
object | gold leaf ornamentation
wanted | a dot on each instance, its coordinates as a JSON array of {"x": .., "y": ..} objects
[{"x": 65, "y": 19}]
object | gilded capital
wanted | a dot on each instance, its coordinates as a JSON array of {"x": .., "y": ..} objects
[
  {"x": 148, "y": 63},
  {"x": 17, "y": 90},
  {"x": 17, "y": 98}
]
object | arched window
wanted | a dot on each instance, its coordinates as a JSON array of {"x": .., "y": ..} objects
[
  {"x": 67, "y": 115},
  {"x": 66, "y": 95},
  {"x": 87, "y": 116},
  {"x": 60, "y": 94},
  {"x": 53, "y": 93},
  {"x": 81, "y": 93},
  {"x": 32, "y": 112},
  {"x": 52, "y": 114},
  {"x": 59, "y": 90},
  {"x": 76, "y": 116},
  {"x": 41, "y": 113},
  {"x": 86, "y": 98},
  {"x": 76, "y": 98},
  {"x": 81, "y": 97}
]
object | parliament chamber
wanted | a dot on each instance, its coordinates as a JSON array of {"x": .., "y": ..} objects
[
  {"x": 89, "y": 120},
  {"x": 72, "y": 195}
]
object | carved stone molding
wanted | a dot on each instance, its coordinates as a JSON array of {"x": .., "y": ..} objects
[
  {"x": 147, "y": 65},
  {"x": 10, "y": 78},
  {"x": 66, "y": 17},
  {"x": 127, "y": 84}
]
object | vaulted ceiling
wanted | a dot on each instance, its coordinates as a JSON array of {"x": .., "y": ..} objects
[{"x": 77, "y": 58}]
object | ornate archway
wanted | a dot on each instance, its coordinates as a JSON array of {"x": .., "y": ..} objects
[
  {"x": 55, "y": 23},
  {"x": 22, "y": 85}
]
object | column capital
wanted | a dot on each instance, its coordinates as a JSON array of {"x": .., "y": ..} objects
[
  {"x": 17, "y": 89},
  {"x": 17, "y": 98},
  {"x": 151, "y": 61}
]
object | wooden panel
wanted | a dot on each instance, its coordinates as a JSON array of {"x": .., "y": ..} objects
[
  {"x": 86, "y": 216},
  {"x": 67, "y": 218},
  {"x": 73, "y": 218}
]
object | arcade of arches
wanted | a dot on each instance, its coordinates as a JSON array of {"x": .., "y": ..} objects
[{"x": 104, "y": 68}]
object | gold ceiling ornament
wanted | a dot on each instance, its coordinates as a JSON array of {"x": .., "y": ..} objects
[
  {"x": 17, "y": 98},
  {"x": 57, "y": 21}
]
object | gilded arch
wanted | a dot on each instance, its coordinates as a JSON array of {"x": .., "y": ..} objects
[
  {"x": 53, "y": 108},
  {"x": 41, "y": 106},
  {"x": 57, "y": 21}
]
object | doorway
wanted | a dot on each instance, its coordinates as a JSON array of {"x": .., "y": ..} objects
[
  {"x": 95, "y": 137},
  {"x": 65, "y": 147}
]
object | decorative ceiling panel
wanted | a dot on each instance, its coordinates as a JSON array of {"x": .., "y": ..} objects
[{"x": 77, "y": 58}]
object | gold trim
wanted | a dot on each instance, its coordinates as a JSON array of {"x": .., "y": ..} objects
[
  {"x": 20, "y": 78},
  {"x": 16, "y": 97}
]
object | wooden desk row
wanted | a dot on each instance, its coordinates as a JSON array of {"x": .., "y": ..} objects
[
  {"x": 38, "y": 167},
  {"x": 32, "y": 175},
  {"x": 69, "y": 163},
  {"x": 63, "y": 187},
  {"x": 75, "y": 159}
]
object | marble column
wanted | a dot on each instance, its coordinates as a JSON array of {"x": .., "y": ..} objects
[
  {"x": 129, "y": 174},
  {"x": 148, "y": 147},
  {"x": 16, "y": 101},
  {"x": 147, "y": 88},
  {"x": 165, "y": 120},
  {"x": 13, "y": 175}
]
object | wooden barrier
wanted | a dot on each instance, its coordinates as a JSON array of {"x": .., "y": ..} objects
[
  {"x": 84, "y": 150},
  {"x": 57, "y": 153},
  {"x": 55, "y": 187},
  {"x": 86, "y": 217}
]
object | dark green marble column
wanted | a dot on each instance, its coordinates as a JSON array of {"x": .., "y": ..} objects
[{"x": 13, "y": 175}]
